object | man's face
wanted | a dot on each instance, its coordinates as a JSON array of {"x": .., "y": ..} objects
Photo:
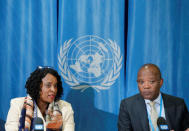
[
  {"x": 48, "y": 89},
  {"x": 149, "y": 83}
]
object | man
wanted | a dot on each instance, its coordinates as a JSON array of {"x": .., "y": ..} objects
[{"x": 140, "y": 112}]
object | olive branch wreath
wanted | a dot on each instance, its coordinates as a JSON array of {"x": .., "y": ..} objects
[{"x": 109, "y": 79}]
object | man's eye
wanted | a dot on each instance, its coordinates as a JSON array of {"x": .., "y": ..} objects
[
  {"x": 151, "y": 82},
  {"x": 140, "y": 82}
]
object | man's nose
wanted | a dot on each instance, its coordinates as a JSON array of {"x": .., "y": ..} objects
[{"x": 146, "y": 84}]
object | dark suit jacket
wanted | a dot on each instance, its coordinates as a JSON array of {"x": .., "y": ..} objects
[{"x": 133, "y": 114}]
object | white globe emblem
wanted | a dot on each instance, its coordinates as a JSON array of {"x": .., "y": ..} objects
[{"x": 90, "y": 61}]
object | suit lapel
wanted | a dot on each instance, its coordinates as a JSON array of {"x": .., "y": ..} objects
[
  {"x": 141, "y": 110},
  {"x": 167, "y": 110}
]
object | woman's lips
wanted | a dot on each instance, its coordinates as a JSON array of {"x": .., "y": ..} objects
[{"x": 52, "y": 96}]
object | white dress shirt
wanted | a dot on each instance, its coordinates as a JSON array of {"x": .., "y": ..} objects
[{"x": 157, "y": 106}]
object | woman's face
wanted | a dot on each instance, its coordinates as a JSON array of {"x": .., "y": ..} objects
[{"x": 48, "y": 89}]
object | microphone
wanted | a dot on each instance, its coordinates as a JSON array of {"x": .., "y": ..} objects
[
  {"x": 38, "y": 124},
  {"x": 162, "y": 124}
]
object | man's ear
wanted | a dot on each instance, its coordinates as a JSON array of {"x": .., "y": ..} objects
[{"x": 161, "y": 82}]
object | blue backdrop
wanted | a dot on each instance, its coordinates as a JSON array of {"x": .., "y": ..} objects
[{"x": 97, "y": 46}]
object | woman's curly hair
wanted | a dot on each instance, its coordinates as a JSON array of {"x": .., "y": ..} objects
[{"x": 34, "y": 81}]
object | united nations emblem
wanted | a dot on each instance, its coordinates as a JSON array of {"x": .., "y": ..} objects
[{"x": 90, "y": 61}]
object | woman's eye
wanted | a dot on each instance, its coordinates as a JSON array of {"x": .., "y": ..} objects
[
  {"x": 48, "y": 85},
  {"x": 55, "y": 86}
]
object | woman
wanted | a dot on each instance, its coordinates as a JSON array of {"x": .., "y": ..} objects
[{"x": 44, "y": 89}]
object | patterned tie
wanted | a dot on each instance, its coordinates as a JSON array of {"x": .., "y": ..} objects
[{"x": 153, "y": 114}]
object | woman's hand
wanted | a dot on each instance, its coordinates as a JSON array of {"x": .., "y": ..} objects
[{"x": 55, "y": 123}]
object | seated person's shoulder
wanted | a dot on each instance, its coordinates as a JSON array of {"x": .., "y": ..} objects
[
  {"x": 18, "y": 101},
  {"x": 174, "y": 99},
  {"x": 132, "y": 98},
  {"x": 64, "y": 104}
]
